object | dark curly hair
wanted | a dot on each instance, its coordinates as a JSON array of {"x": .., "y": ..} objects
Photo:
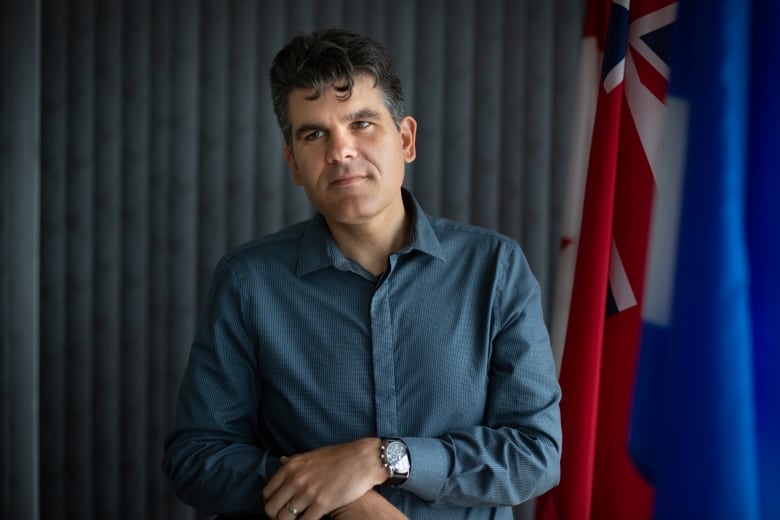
[{"x": 332, "y": 57}]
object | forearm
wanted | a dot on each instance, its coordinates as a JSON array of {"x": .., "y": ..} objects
[
  {"x": 217, "y": 476},
  {"x": 371, "y": 505},
  {"x": 212, "y": 456},
  {"x": 483, "y": 466}
]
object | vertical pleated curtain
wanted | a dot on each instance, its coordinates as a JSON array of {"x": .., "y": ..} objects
[{"x": 138, "y": 144}]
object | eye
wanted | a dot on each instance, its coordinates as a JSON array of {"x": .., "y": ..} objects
[
  {"x": 313, "y": 136},
  {"x": 361, "y": 124}
]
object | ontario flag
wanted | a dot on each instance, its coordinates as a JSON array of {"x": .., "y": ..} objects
[{"x": 596, "y": 320}]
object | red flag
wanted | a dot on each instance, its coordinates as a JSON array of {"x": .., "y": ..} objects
[{"x": 596, "y": 318}]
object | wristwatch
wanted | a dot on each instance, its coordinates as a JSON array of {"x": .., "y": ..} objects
[{"x": 395, "y": 458}]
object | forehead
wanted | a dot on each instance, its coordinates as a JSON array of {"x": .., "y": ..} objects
[{"x": 365, "y": 94}]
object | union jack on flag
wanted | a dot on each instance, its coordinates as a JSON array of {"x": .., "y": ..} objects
[{"x": 646, "y": 79}]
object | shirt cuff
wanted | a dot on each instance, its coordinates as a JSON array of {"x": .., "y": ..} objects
[{"x": 430, "y": 463}]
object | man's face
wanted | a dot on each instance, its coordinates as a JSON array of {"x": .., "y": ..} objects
[{"x": 348, "y": 154}]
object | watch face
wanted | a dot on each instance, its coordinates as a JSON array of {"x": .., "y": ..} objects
[
  {"x": 395, "y": 452},
  {"x": 395, "y": 457}
]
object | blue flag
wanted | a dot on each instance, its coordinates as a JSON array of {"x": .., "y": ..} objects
[
  {"x": 763, "y": 237},
  {"x": 705, "y": 425}
]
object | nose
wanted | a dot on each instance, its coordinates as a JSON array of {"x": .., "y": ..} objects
[{"x": 341, "y": 146}]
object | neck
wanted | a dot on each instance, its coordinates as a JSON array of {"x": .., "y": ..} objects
[{"x": 372, "y": 243}]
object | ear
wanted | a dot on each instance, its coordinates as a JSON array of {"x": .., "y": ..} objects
[
  {"x": 408, "y": 137},
  {"x": 296, "y": 173}
]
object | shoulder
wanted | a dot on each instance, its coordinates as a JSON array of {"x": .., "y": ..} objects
[
  {"x": 470, "y": 249},
  {"x": 281, "y": 246},
  {"x": 458, "y": 235}
]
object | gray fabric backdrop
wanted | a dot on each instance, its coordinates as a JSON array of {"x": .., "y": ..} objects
[{"x": 137, "y": 144}]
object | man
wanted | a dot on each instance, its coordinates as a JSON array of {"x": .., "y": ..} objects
[{"x": 372, "y": 362}]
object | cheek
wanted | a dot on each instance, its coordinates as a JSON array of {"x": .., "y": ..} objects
[
  {"x": 305, "y": 169},
  {"x": 391, "y": 162},
  {"x": 387, "y": 155}
]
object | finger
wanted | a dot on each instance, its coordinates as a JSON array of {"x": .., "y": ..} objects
[
  {"x": 276, "y": 503},
  {"x": 309, "y": 513},
  {"x": 312, "y": 513},
  {"x": 290, "y": 511},
  {"x": 276, "y": 506},
  {"x": 274, "y": 484},
  {"x": 276, "y": 495}
]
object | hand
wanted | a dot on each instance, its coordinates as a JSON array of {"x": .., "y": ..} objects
[
  {"x": 320, "y": 481},
  {"x": 371, "y": 505}
]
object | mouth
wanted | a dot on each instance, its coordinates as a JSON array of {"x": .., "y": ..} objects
[{"x": 347, "y": 180}]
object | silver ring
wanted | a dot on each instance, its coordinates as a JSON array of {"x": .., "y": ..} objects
[{"x": 292, "y": 510}]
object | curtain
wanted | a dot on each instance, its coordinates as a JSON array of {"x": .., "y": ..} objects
[{"x": 138, "y": 144}]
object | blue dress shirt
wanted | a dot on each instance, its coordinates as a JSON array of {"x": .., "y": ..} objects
[{"x": 300, "y": 347}]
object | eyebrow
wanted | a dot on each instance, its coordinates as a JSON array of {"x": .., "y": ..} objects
[{"x": 359, "y": 115}]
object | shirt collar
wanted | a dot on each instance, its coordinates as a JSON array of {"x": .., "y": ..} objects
[
  {"x": 421, "y": 235},
  {"x": 319, "y": 251}
]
